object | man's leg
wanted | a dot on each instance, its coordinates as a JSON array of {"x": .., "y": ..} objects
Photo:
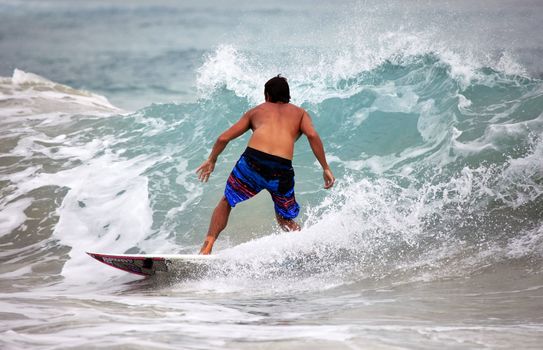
[
  {"x": 287, "y": 224},
  {"x": 219, "y": 219}
]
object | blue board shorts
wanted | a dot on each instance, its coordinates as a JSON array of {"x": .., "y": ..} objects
[{"x": 257, "y": 170}]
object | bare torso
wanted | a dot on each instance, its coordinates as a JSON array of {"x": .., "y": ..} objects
[{"x": 276, "y": 127}]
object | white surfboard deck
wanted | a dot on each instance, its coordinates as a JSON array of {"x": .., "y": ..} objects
[{"x": 150, "y": 264}]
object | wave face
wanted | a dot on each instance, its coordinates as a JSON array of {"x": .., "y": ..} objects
[
  {"x": 440, "y": 171},
  {"x": 439, "y": 175}
]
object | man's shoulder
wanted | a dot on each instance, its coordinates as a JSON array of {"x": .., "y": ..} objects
[
  {"x": 258, "y": 107},
  {"x": 266, "y": 107},
  {"x": 297, "y": 108}
]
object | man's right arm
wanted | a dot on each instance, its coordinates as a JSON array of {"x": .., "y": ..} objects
[
  {"x": 307, "y": 128},
  {"x": 236, "y": 130}
]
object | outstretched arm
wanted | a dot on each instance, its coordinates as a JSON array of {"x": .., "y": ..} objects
[
  {"x": 236, "y": 130},
  {"x": 307, "y": 128}
]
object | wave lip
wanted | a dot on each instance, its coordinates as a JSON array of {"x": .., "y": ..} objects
[
  {"x": 27, "y": 94},
  {"x": 318, "y": 74}
]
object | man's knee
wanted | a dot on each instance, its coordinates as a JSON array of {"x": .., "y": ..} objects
[{"x": 224, "y": 202}]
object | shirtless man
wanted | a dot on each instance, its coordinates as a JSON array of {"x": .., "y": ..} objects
[{"x": 267, "y": 161}]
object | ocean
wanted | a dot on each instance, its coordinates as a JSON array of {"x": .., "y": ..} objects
[{"x": 431, "y": 114}]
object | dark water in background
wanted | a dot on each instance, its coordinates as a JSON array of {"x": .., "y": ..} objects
[
  {"x": 139, "y": 52},
  {"x": 431, "y": 113}
]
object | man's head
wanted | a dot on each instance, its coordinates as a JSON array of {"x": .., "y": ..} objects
[{"x": 277, "y": 90}]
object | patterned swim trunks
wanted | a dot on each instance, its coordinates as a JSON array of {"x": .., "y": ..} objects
[{"x": 257, "y": 170}]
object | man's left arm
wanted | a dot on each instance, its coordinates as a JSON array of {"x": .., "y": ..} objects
[{"x": 236, "y": 130}]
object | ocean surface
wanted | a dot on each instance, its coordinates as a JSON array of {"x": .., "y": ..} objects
[{"x": 431, "y": 113}]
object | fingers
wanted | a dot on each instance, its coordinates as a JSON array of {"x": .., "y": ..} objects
[
  {"x": 204, "y": 171},
  {"x": 204, "y": 175},
  {"x": 329, "y": 179},
  {"x": 200, "y": 173},
  {"x": 329, "y": 183}
]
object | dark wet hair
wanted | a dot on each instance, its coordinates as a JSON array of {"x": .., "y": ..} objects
[{"x": 277, "y": 89}]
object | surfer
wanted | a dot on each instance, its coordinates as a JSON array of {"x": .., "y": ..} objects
[{"x": 267, "y": 162}]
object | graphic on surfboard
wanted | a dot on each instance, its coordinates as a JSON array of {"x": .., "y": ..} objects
[{"x": 149, "y": 264}]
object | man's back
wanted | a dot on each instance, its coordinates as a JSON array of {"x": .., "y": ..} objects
[
  {"x": 267, "y": 161},
  {"x": 276, "y": 127}
]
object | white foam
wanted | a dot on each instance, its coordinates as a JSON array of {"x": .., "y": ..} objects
[
  {"x": 94, "y": 216},
  {"x": 360, "y": 218},
  {"x": 526, "y": 244},
  {"x": 32, "y": 97},
  {"x": 21, "y": 77},
  {"x": 184, "y": 178},
  {"x": 520, "y": 182},
  {"x": 12, "y": 215},
  {"x": 106, "y": 207},
  {"x": 230, "y": 68},
  {"x": 319, "y": 74},
  {"x": 499, "y": 135}
]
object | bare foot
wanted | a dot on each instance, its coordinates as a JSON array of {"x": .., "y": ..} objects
[{"x": 207, "y": 247}]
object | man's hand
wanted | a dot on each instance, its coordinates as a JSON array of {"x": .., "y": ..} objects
[
  {"x": 329, "y": 178},
  {"x": 205, "y": 170}
]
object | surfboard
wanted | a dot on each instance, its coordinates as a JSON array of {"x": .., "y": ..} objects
[{"x": 150, "y": 264}]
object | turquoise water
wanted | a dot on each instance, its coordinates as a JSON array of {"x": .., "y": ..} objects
[{"x": 431, "y": 115}]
